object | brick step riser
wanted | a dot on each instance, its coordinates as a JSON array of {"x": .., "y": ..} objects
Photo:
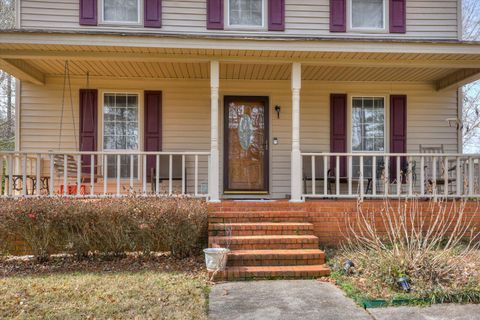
[
  {"x": 262, "y": 233},
  {"x": 271, "y": 246},
  {"x": 256, "y": 219},
  {"x": 253, "y": 213},
  {"x": 229, "y": 210},
  {"x": 274, "y": 262},
  {"x": 269, "y": 275}
]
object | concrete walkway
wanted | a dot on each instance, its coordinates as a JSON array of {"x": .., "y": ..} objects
[{"x": 310, "y": 299}]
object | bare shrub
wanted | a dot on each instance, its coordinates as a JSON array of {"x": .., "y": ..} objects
[
  {"x": 106, "y": 226},
  {"x": 431, "y": 243}
]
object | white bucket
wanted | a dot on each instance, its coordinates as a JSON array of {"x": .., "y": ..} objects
[{"x": 216, "y": 258}]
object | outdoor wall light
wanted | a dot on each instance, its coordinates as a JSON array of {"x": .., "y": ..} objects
[
  {"x": 347, "y": 266},
  {"x": 277, "y": 110},
  {"x": 404, "y": 284}
]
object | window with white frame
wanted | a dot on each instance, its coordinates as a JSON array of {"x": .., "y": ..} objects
[
  {"x": 121, "y": 11},
  {"x": 367, "y": 14},
  {"x": 121, "y": 131},
  {"x": 246, "y": 13},
  {"x": 368, "y": 131}
]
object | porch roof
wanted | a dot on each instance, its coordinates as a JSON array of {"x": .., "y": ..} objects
[{"x": 33, "y": 57}]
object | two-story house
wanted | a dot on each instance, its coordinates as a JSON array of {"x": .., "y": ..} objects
[
  {"x": 238, "y": 98},
  {"x": 243, "y": 99}
]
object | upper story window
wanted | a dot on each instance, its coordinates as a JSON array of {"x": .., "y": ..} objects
[
  {"x": 120, "y": 11},
  {"x": 368, "y": 15},
  {"x": 246, "y": 13}
]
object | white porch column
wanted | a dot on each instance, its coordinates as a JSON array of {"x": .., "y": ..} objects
[
  {"x": 214, "y": 170},
  {"x": 296, "y": 170}
]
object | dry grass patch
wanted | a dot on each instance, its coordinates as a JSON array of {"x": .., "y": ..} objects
[
  {"x": 134, "y": 287},
  {"x": 145, "y": 295}
]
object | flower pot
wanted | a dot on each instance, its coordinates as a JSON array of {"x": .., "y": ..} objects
[{"x": 216, "y": 258}]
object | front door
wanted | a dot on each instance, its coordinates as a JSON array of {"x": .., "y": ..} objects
[{"x": 246, "y": 145}]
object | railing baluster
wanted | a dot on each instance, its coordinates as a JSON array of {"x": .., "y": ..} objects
[
  {"x": 79, "y": 174},
  {"x": 157, "y": 174},
  {"x": 313, "y": 176},
  {"x": 196, "y": 175},
  {"x": 92, "y": 175},
  {"x": 350, "y": 173},
  {"x": 24, "y": 181},
  {"x": 325, "y": 175},
  {"x": 470, "y": 176},
  {"x": 144, "y": 174},
  {"x": 434, "y": 176},
  {"x": 170, "y": 174},
  {"x": 4, "y": 174},
  {"x": 10, "y": 175},
  {"x": 183, "y": 175},
  {"x": 65, "y": 175},
  {"x": 386, "y": 182},
  {"x": 458, "y": 183},
  {"x": 361, "y": 177},
  {"x": 337, "y": 175},
  {"x": 132, "y": 168},
  {"x": 445, "y": 176},
  {"x": 410, "y": 176},
  {"x": 399, "y": 176},
  {"x": 38, "y": 174},
  {"x": 374, "y": 175},
  {"x": 119, "y": 173},
  {"x": 422, "y": 175},
  {"x": 52, "y": 176},
  {"x": 105, "y": 174}
]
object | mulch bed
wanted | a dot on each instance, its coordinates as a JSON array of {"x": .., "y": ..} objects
[{"x": 132, "y": 262}]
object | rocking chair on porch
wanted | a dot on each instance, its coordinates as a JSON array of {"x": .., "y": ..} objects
[{"x": 431, "y": 182}]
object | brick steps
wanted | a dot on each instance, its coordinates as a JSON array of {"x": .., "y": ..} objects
[
  {"x": 260, "y": 216},
  {"x": 267, "y": 240},
  {"x": 276, "y": 257},
  {"x": 260, "y": 228},
  {"x": 272, "y": 272}
]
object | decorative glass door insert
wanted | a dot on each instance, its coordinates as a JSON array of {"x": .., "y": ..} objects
[{"x": 246, "y": 144}]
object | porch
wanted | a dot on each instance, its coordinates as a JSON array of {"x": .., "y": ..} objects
[
  {"x": 192, "y": 152},
  {"x": 361, "y": 175}
]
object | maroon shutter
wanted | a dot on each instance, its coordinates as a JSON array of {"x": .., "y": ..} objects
[
  {"x": 398, "y": 16},
  {"x": 338, "y": 131},
  {"x": 215, "y": 14},
  {"x": 398, "y": 132},
  {"x": 153, "y": 126},
  {"x": 88, "y": 12},
  {"x": 152, "y": 13},
  {"x": 88, "y": 125},
  {"x": 338, "y": 15},
  {"x": 276, "y": 15}
]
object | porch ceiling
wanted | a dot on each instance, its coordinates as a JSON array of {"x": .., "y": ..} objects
[
  {"x": 235, "y": 71},
  {"x": 33, "y": 62}
]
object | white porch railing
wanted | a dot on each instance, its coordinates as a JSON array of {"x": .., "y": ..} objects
[
  {"x": 380, "y": 175},
  {"x": 104, "y": 174}
]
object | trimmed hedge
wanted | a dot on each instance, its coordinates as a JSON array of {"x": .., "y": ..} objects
[{"x": 104, "y": 226}]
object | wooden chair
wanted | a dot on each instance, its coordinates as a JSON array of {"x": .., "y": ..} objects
[
  {"x": 439, "y": 180},
  {"x": 319, "y": 172}
]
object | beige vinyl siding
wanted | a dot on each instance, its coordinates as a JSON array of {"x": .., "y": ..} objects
[
  {"x": 429, "y": 19},
  {"x": 186, "y": 116}
]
